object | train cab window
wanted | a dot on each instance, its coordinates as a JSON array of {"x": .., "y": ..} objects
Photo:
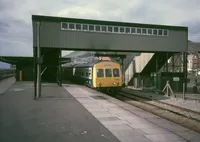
[
  {"x": 100, "y": 73},
  {"x": 108, "y": 72},
  {"x": 116, "y": 72}
]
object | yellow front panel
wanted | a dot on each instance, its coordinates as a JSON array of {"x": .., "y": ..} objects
[{"x": 106, "y": 81}]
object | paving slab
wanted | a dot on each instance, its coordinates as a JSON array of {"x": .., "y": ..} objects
[
  {"x": 108, "y": 119},
  {"x": 121, "y": 127},
  {"x": 188, "y": 135},
  {"x": 155, "y": 130},
  {"x": 56, "y": 117},
  {"x": 115, "y": 122},
  {"x": 129, "y": 132},
  {"x": 164, "y": 137},
  {"x": 133, "y": 138}
]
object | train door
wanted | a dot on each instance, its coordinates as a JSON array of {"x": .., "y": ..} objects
[
  {"x": 99, "y": 77},
  {"x": 90, "y": 73},
  {"x": 89, "y": 81},
  {"x": 74, "y": 71}
]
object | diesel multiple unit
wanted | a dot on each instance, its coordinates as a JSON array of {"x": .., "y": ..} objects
[{"x": 100, "y": 75}]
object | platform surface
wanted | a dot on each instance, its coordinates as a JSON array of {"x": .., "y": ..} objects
[
  {"x": 128, "y": 123},
  {"x": 6, "y": 83},
  {"x": 56, "y": 117},
  {"x": 79, "y": 114}
]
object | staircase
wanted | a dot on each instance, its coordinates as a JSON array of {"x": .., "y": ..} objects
[
  {"x": 144, "y": 64},
  {"x": 142, "y": 60},
  {"x": 162, "y": 58},
  {"x": 129, "y": 66}
]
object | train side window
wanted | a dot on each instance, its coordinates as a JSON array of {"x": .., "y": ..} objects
[
  {"x": 108, "y": 73},
  {"x": 116, "y": 72},
  {"x": 100, "y": 73}
]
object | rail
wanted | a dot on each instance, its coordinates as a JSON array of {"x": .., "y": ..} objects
[{"x": 182, "y": 116}]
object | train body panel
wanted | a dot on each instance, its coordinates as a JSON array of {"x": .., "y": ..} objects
[
  {"x": 107, "y": 74},
  {"x": 83, "y": 75}
]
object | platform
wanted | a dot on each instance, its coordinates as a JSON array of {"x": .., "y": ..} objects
[
  {"x": 79, "y": 114},
  {"x": 6, "y": 83},
  {"x": 56, "y": 117}
]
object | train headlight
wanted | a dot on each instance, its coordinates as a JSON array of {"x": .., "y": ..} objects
[{"x": 114, "y": 83}]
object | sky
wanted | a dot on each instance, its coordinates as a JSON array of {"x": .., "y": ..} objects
[{"x": 16, "y": 25}]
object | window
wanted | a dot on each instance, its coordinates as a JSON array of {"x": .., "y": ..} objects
[
  {"x": 155, "y": 32},
  {"x": 108, "y": 73},
  {"x": 85, "y": 27},
  {"x": 121, "y": 29},
  {"x": 144, "y": 31},
  {"x": 116, "y": 30},
  {"x": 139, "y": 31},
  {"x": 165, "y": 32},
  {"x": 109, "y": 28},
  {"x": 71, "y": 26},
  {"x": 127, "y": 30},
  {"x": 98, "y": 28},
  {"x": 133, "y": 30},
  {"x": 104, "y": 29},
  {"x": 149, "y": 31},
  {"x": 64, "y": 25},
  {"x": 100, "y": 73},
  {"x": 160, "y": 32},
  {"x": 116, "y": 72},
  {"x": 78, "y": 26},
  {"x": 91, "y": 27}
]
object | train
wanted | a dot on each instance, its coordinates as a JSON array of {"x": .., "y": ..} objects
[{"x": 100, "y": 75}]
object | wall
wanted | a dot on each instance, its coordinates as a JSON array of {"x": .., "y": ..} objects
[{"x": 51, "y": 35}]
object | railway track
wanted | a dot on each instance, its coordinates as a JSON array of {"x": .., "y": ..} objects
[
  {"x": 182, "y": 116},
  {"x": 176, "y": 109}
]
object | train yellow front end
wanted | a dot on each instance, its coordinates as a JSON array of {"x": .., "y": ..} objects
[{"x": 107, "y": 75}]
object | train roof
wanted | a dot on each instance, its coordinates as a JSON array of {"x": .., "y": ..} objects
[{"x": 91, "y": 63}]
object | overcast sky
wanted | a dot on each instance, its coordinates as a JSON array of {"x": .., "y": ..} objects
[{"x": 16, "y": 27}]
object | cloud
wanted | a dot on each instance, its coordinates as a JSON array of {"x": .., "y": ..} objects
[
  {"x": 16, "y": 24},
  {"x": 3, "y": 26}
]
